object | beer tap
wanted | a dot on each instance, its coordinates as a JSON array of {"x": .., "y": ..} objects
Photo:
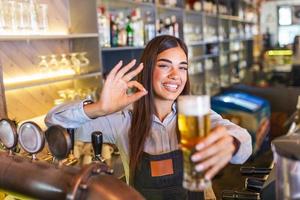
[
  {"x": 97, "y": 141},
  {"x": 59, "y": 143},
  {"x": 31, "y": 138},
  {"x": 71, "y": 160},
  {"x": 8, "y": 135}
]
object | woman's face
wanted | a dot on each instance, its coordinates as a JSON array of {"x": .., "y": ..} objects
[{"x": 170, "y": 74}]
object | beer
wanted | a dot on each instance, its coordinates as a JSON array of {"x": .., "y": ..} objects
[{"x": 194, "y": 126}]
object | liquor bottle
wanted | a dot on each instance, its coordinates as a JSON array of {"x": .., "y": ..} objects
[
  {"x": 113, "y": 31},
  {"x": 175, "y": 26},
  {"x": 122, "y": 36},
  {"x": 149, "y": 27},
  {"x": 138, "y": 27},
  {"x": 130, "y": 31},
  {"x": 103, "y": 27},
  {"x": 168, "y": 27}
]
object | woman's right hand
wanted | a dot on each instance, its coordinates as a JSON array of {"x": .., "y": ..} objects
[{"x": 114, "y": 95}]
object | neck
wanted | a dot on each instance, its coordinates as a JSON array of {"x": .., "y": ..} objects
[{"x": 162, "y": 108}]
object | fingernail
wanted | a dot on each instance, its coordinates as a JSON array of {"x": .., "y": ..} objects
[
  {"x": 199, "y": 146},
  {"x": 199, "y": 168},
  {"x": 195, "y": 158},
  {"x": 207, "y": 177}
]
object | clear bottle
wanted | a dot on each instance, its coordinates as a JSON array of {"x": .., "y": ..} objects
[
  {"x": 149, "y": 27},
  {"x": 33, "y": 15},
  {"x": 138, "y": 26},
  {"x": 103, "y": 27}
]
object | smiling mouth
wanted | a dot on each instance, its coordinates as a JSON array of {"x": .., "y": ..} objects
[{"x": 171, "y": 87}]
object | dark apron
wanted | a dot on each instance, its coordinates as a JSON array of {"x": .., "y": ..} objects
[{"x": 165, "y": 187}]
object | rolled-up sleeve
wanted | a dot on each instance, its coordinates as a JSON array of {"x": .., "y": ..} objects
[
  {"x": 72, "y": 115},
  {"x": 239, "y": 133}
]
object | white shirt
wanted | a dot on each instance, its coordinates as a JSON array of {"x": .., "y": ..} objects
[{"x": 115, "y": 128}]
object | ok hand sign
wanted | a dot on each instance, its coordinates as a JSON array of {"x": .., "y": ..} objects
[{"x": 114, "y": 95}]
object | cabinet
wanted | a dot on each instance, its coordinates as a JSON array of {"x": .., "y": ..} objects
[
  {"x": 218, "y": 34},
  {"x": 28, "y": 91}
]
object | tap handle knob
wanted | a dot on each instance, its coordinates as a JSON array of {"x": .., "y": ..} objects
[{"x": 97, "y": 141}]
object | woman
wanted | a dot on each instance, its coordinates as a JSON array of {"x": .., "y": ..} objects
[{"x": 149, "y": 132}]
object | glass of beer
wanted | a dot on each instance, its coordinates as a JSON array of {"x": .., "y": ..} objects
[{"x": 194, "y": 126}]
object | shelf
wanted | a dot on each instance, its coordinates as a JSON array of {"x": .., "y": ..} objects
[
  {"x": 105, "y": 49},
  {"x": 210, "y": 14},
  {"x": 197, "y": 58},
  {"x": 193, "y": 12},
  {"x": 169, "y": 8},
  {"x": 196, "y": 43},
  {"x": 47, "y": 36},
  {"x": 22, "y": 85},
  {"x": 235, "y": 18},
  {"x": 144, "y": 4}
]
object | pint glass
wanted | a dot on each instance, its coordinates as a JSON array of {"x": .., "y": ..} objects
[{"x": 194, "y": 125}]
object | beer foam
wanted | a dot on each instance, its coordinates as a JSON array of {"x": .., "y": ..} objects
[{"x": 192, "y": 105}]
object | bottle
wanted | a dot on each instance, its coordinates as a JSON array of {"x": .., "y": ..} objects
[
  {"x": 33, "y": 15},
  {"x": 149, "y": 27},
  {"x": 130, "y": 31},
  {"x": 113, "y": 32},
  {"x": 122, "y": 37},
  {"x": 138, "y": 26},
  {"x": 175, "y": 26},
  {"x": 103, "y": 27}
]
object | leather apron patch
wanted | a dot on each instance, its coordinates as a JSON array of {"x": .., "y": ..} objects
[{"x": 161, "y": 167}]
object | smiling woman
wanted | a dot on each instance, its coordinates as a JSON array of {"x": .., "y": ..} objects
[{"x": 147, "y": 136}]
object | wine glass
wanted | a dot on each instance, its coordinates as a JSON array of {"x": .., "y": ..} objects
[
  {"x": 64, "y": 62},
  {"x": 75, "y": 62},
  {"x": 43, "y": 64},
  {"x": 84, "y": 61},
  {"x": 53, "y": 64}
]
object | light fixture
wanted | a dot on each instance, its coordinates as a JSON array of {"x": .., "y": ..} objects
[{"x": 31, "y": 78}]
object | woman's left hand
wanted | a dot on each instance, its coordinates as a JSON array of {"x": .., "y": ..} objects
[{"x": 214, "y": 152}]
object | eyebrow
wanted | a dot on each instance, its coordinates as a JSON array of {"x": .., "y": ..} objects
[{"x": 169, "y": 61}]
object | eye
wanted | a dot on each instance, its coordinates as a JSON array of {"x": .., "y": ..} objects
[
  {"x": 163, "y": 65},
  {"x": 183, "y": 68}
]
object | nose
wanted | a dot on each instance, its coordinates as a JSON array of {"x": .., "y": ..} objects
[{"x": 174, "y": 73}]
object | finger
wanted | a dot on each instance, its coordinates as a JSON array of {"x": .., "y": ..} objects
[
  {"x": 215, "y": 134},
  {"x": 125, "y": 69},
  {"x": 116, "y": 68},
  {"x": 137, "y": 85},
  {"x": 136, "y": 96},
  {"x": 222, "y": 143},
  {"x": 209, "y": 174},
  {"x": 212, "y": 161},
  {"x": 133, "y": 73}
]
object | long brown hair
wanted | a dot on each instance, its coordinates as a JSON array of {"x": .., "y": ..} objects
[{"x": 143, "y": 109}]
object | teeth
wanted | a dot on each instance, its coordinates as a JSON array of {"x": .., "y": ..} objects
[{"x": 171, "y": 86}]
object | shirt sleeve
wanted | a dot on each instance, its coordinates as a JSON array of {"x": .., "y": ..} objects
[
  {"x": 241, "y": 134},
  {"x": 72, "y": 115}
]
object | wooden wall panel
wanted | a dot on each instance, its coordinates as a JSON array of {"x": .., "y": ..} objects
[
  {"x": 58, "y": 12},
  {"x": 3, "y": 111},
  {"x": 34, "y": 101},
  {"x": 20, "y": 58}
]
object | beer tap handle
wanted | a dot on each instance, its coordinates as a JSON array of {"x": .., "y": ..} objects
[
  {"x": 254, "y": 184},
  {"x": 236, "y": 195},
  {"x": 97, "y": 141},
  {"x": 71, "y": 132},
  {"x": 255, "y": 170}
]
